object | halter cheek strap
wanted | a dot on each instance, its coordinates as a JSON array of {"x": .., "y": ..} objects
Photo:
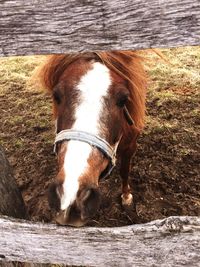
[{"x": 92, "y": 140}]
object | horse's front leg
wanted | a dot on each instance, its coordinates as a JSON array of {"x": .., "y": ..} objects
[{"x": 127, "y": 197}]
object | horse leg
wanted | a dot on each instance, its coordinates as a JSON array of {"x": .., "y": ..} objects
[
  {"x": 127, "y": 197},
  {"x": 126, "y": 153}
]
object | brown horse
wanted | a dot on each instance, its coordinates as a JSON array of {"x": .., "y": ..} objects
[{"x": 99, "y": 108}]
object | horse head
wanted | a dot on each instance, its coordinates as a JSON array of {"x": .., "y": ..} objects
[{"x": 91, "y": 102}]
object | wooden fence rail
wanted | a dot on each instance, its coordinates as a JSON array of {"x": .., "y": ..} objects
[
  {"x": 44, "y": 27},
  {"x": 174, "y": 241}
]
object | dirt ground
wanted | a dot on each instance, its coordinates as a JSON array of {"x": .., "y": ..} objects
[{"x": 165, "y": 173}]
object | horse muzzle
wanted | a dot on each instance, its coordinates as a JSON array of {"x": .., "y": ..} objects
[
  {"x": 84, "y": 207},
  {"x": 71, "y": 217}
]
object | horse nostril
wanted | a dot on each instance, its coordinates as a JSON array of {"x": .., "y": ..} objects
[
  {"x": 88, "y": 202},
  {"x": 61, "y": 217},
  {"x": 71, "y": 216},
  {"x": 61, "y": 213}
]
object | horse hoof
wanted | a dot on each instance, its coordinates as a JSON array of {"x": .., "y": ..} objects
[{"x": 127, "y": 199}]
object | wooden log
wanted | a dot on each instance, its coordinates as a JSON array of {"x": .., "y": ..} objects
[
  {"x": 44, "y": 27},
  {"x": 174, "y": 241},
  {"x": 11, "y": 202}
]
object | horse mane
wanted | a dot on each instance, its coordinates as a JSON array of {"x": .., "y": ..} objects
[{"x": 127, "y": 64}]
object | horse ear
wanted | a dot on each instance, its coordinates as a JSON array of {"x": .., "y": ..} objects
[
  {"x": 53, "y": 197},
  {"x": 88, "y": 202}
]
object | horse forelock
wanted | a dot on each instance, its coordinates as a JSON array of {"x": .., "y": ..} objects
[{"x": 127, "y": 64}]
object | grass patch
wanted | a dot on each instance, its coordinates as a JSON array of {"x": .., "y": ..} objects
[
  {"x": 181, "y": 71},
  {"x": 15, "y": 73},
  {"x": 16, "y": 120},
  {"x": 18, "y": 142}
]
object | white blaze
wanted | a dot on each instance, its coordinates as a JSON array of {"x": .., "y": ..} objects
[{"x": 93, "y": 86}]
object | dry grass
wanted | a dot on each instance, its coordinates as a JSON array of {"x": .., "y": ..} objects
[
  {"x": 171, "y": 81},
  {"x": 181, "y": 71}
]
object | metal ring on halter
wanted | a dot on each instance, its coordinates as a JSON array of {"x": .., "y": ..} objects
[{"x": 92, "y": 140}]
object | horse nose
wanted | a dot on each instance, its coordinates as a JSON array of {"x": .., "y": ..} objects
[{"x": 70, "y": 217}]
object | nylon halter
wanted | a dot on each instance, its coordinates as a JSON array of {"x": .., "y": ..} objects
[{"x": 93, "y": 140}]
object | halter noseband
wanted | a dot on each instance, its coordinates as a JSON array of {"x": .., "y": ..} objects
[
  {"x": 92, "y": 140},
  {"x": 95, "y": 141}
]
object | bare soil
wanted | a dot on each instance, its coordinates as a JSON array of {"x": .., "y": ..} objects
[{"x": 165, "y": 174}]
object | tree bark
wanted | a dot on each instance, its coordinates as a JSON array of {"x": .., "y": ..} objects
[
  {"x": 44, "y": 27},
  {"x": 11, "y": 202},
  {"x": 174, "y": 241}
]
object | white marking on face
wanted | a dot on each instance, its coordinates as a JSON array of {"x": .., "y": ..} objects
[
  {"x": 74, "y": 164},
  {"x": 93, "y": 86}
]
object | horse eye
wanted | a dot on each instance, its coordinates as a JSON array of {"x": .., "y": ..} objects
[
  {"x": 121, "y": 100},
  {"x": 57, "y": 97}
]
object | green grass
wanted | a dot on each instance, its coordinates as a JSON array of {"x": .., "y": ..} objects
[{"x": 18, "y": 142}]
